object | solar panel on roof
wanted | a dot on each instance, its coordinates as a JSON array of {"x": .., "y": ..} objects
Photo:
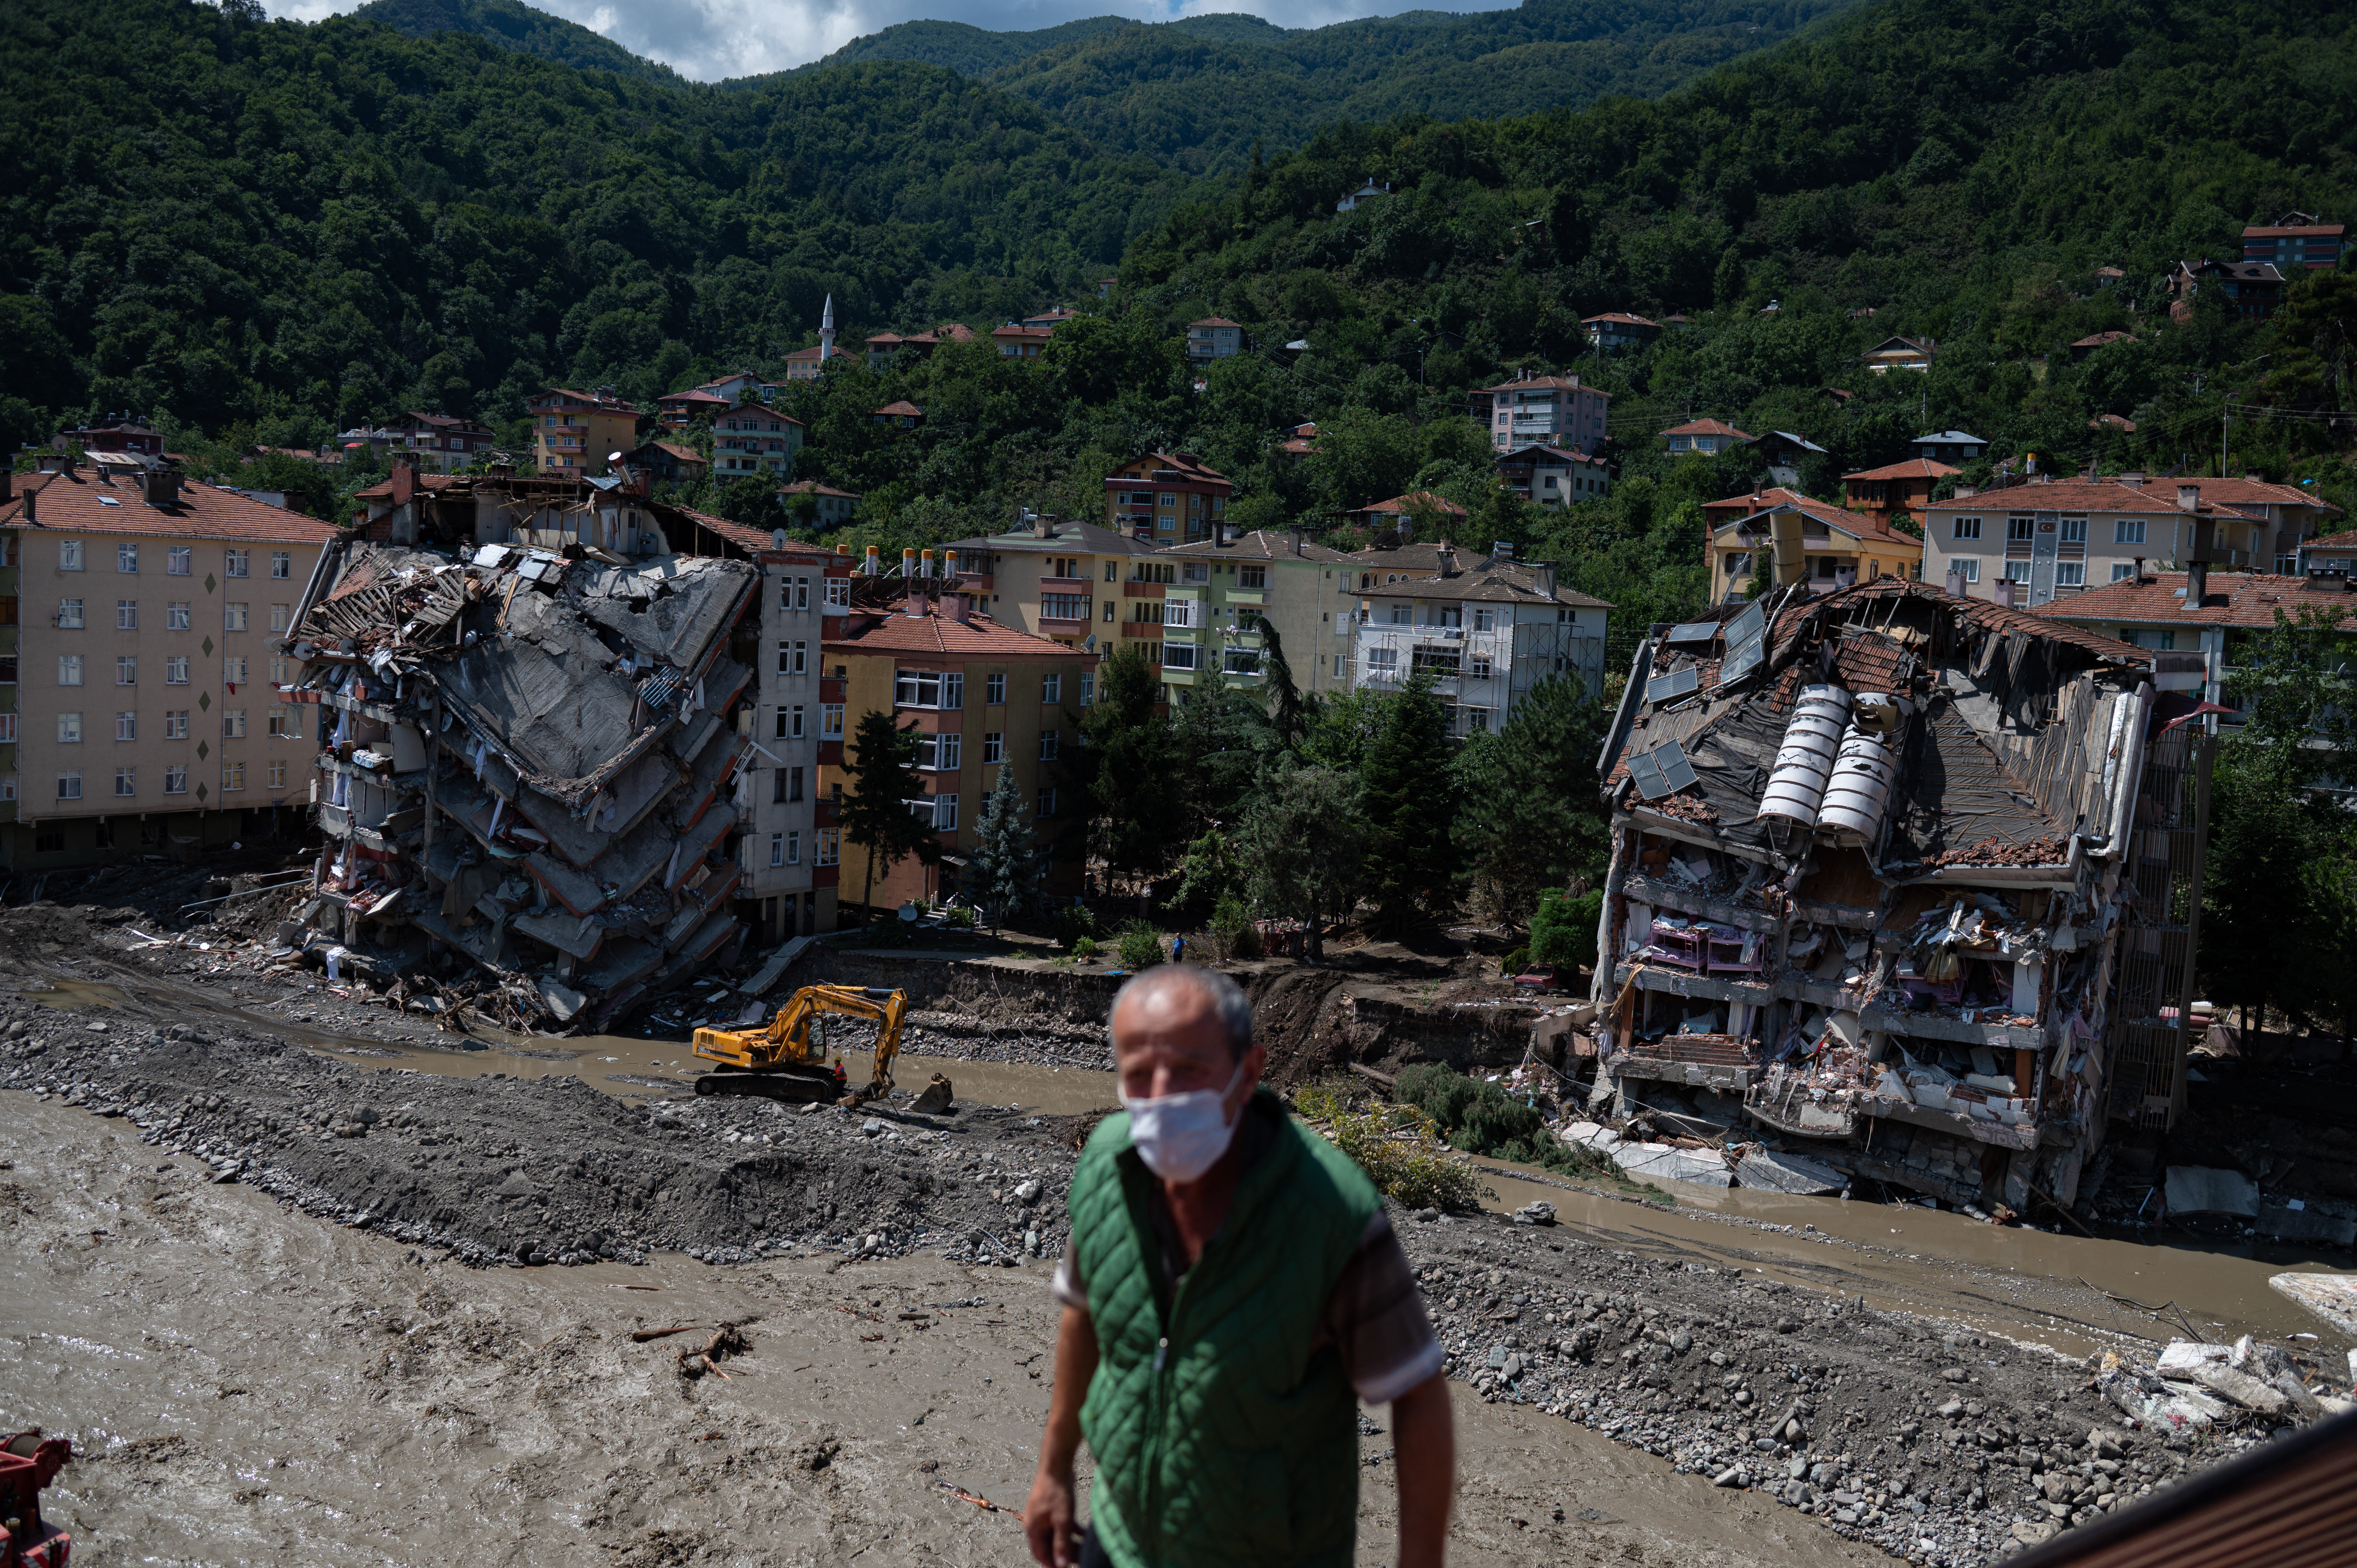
[
  {"x": 1740, "y": 661},
  {"x": 1678, "y": 770},
  {"x": 1749, "y": 623},
  {"x": 1646, "y": 774},
  {"x": 1693, "y": 631},
  {"x": 1676, "y": 684}
]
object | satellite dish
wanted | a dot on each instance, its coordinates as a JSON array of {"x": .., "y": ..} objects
[
  {"x": 909, "y": 911},
  {"x": 1090, "y": 645},
  {"x": 776, "y": 538}
]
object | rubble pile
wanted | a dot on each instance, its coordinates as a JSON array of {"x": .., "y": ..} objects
[{"x": 531, "y": 765}]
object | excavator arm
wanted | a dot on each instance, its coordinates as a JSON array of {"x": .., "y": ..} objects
[{"x": 787, "y": 1059}]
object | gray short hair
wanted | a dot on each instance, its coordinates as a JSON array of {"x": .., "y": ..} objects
[{"x": 1227, "y": 998}]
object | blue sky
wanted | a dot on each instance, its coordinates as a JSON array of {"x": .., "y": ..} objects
[{"x": 709, "y": 39}]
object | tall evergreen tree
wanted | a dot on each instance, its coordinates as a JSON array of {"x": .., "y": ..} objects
[
  {"x": 1531, "y": 816},
  {"x": 1410, "y": 799},
  {"x": 1005, "y": 864},
  {"x": 1286, "y": 714},
  {"x": 875, "y": 810},
  {"x": 1222, "y": 735},
  {"x": 1132, "y": 767},
  {"x": 1303, "y": 843}
]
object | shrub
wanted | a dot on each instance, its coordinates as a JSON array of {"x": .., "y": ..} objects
[
  {"x": 1562, "y": 927},
  {"x": 1515, "y": 961},
  {"x": 1392, "y": 1143},
  {"x": 1084, "y": 947},
  {"x": 1481, "y": 1118},
  {"x": 1141, "y": 946},
  {"x": 1233, "y": 936},
  {"x": 1073, "y": 922},
  {"x": 961, "y": 917}
]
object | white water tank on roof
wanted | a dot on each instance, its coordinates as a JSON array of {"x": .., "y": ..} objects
[
  {"x": 1796, "y": 784},
  {"x": 1864, "y": 773}
]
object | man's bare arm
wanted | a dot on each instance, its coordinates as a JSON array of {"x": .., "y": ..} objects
[
  {"x": 1049, "y": 1516},
  {"x": 1423, "y": 1457}
]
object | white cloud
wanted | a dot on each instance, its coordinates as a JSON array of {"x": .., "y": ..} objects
[{"x": 712, "y": 39}]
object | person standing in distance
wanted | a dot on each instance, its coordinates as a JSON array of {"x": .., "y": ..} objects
[{"x": 1230, "y": 1291}]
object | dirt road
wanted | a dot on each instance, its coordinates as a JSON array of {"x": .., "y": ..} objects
[{"x": 252, "y": 1386}]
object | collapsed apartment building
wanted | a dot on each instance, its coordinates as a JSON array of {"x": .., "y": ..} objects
[
  {"x": 539, "y": 756},
  {"x": 1907, "y": 882}
]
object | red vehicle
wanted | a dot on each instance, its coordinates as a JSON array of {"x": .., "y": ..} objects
[
  {"x": 1546, "y": 977},
  {"x": 27, "y": 1462}
]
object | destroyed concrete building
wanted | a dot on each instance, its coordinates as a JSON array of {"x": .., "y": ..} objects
[
  {"x": 1904, "y": 881},
  {"x": 547, "y": 712}
]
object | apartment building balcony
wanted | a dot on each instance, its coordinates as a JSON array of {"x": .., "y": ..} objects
[
  {"x": 1144, "y": 590},
  {"x": 1056, "y": 620}
]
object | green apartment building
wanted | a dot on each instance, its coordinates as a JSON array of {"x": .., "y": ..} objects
[{"x": 1197, "y": 606}]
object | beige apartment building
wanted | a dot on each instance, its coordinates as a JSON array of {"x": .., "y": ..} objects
[
  {"x": 139, "y": 702},
  {"x": 574, "y": 432},
  {"x": 2054, "y": 539},
  {"x": 1052, "y": 579}
]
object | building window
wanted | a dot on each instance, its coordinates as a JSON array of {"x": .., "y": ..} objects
[
  {"x": 126, "y": 558},
  {"x": 69, "y": 669},
  {"x": 1049, "y": 741},
  {"x": 126, "y": 726},
  {"x": 1968, "y": 528},
  {"x": 1383, "y": 657},
  {"x": 940, "y": 753},
  {"x": 1088, "y": 690},
  {"x": 1063, "y": 607},
  {"x": 1478, "y": 666},
  {"x": 1046, "y": 806},
  {"x": 175, "y": 670},
  {"x": 945, "y": 813},
  {"x": 830, "y": 846},
  {"x": 787, "y": 786},
  {"x": 233, "y": 724},
  {"x": 175, "y": 779},
  {"x": 2127, "y": 531},
  {"x": 830, "y": 721},
  {"x": 69, "y": 615},
  {"x": 1403, "y": 615},
  {"x": 176, "y": 561},
  {"x": 2017, "y": 529},
  {"x": 283, "y": 566},
  {"x": 838, "y": 592},
  {"x": 1484, "y": 618},
  {"x": 175, "y": 616},
  {"x": 126, "y": 782},
  {"x": 2123, "y": 570},
  {"x": 236, "y": 567},
  {"x": 1179, "y": 656},
  {"x": 278, "y": 618},
  {"x": 1241, "y": 661},
  {"x": 1477, "y": 721},
  {"x": 793, "y": 657},
  {"x": 233, "y": 672},
  {"x": 285, "y": 721},
  {"x": 7, "y": 729},
  {"x": 69, "y": 729},
  {"x": 126, "y": 669},
  {"x": 8, "y": 789},
  {"x": 2069, "y": 573},
  {"x": 1252, "y": 576},
  {"x": 277, "y": 775},
  {"x": 69, "y": 554},
  {"x": 994, "y": 691},
  {"x": 232, "y": 776},
  {"x": 993, "y": 746},
  {"x": 2074, "y": 530},
  {"x": 2017, "y": 572},
  {"x": 7, "y": 669},
  {"x": 777, "y": 849},
  {"x": 928, "y": 688},
  {"x": 68, "y": 788},
  {"x": 1051, "y": 688},
  {"x": 126, "y": 615},
  {"x": 176, "y": 723}
]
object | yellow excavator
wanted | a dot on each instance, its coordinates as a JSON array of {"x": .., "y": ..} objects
[{"x": 788, "y": 1061}]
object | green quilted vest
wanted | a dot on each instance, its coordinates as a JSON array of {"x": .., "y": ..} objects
[{"x": 1220, "y": 1439}]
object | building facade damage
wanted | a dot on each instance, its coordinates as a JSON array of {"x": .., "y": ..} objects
[
  {"x": 536, "y": 755},
  {"x": 1906, "y": 883}
]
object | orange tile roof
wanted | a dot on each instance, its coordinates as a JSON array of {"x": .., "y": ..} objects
[
  {"x": 903, "y": 407},
  {"x": 598, "y": 404},
  {"x": 1912, "y": 469},
  {"x": 2074, "y": 496},
  {"x": 1414, "y": 500},
  {"x": 813, "y": 488},
  {"x": 2233, "y": 598},
  {"x": 1532, "y": 384},
  {"x": 383, "y": 489},
  {"x": 2099, "y": 339},
  {"x": 684, "y": 454},
  {"x": 88, "y": 502},
  {"x": 1706, "y": 427},
  {"x": 1856, "y": 524},
  {"x": 2256, "y": 492},
  {"x": 1215, "y": 321},
  {"x": 2334, "y": 542},
  {"x": 941, "y": 636}
]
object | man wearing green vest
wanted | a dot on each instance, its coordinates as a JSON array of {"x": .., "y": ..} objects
[{"x": 1230, "y": 1291}]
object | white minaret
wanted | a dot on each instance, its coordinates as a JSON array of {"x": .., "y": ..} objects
[{"x": 826, "y": 332}]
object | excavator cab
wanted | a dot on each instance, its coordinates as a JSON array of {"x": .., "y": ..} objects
[{"x": 788, "y": 1060}]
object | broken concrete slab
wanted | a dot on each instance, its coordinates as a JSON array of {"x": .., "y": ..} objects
[
  {"x": 2284, "y": 1223},
  {"x": 2241, "y": 1388},
  {"x": 1789, "y": 1173},
  {"x": 2183, "y": 1356},
  {"x": 574, "y": 934},
  {"x": 1660, "y": 1162},
  {"x": 2202, "y": 1189},
  {"x": 2332, "y": 1298},
  {"x": 563, "y": 1001}
]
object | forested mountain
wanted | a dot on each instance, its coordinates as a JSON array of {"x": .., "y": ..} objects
[
  {"x": 515, "y": 25},
  {"x": 966, "y": 49}
]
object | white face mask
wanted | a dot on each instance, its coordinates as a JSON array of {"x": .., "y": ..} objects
[{"x": 1180, "y": 1136}]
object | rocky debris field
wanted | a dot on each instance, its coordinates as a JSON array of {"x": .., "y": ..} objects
[
  {"x": 1892, "y": 1431},
  {"x": 966, "y": 1038}
]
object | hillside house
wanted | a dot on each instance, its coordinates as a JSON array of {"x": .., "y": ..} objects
[
  {"x": 2296, "y": 242},
  {"x": 1949, "y": 447},
  {"x": 1614, "y": 331},
  {"x": 2255, "y": 288},
  {"x": 118, "y": 433},
  {"x": 1368, "y": 191},
  {"x": 1900, "y": 354},
  {"x": 1487, "y": 631},
  {"x": 574, "y": 432},
  {"x": 1213, "y": 338},
  {"x": 2198, "y": 624},
  {"x": 2050, "y": 539},
  {"x": 1554, "y": 411},
  {"x": 1706, "y": 435},
  {"x": 1166, "y": 498},
  {"x": 901, "y": 414},
  {"x": 1895, "y": 489},
  {"x": 1830, "y": 546},
  {"x": 1198, "y": 607},
  {"x": 1552, "y": 477},
  {"x": 834, "y": 507},
  {"x": 882, "y": 346},
  {"x": 1052, "y": 578}
]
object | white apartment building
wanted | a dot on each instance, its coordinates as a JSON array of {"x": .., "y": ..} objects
[
  {"x": 1541, "y": 411},
  {"x": 1487, "y": 635},
  {"x": 140, "y": 706},
  {"x": 2055, "y": 539}
]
